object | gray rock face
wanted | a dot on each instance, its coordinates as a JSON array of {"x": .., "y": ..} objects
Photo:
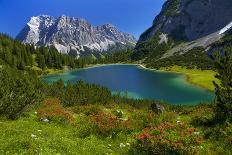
[
  {"x": 73, "y": 35},
  {"x": 191, "y": 19}
]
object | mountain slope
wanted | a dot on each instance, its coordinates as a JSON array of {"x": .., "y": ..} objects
[
  {"x": 182, "y": 26},
  {"x": 191, "y": 19},
  {"x": 73, "y": 36}
]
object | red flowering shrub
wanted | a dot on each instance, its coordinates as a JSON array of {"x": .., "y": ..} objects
[
  {"x": 169, "y": 138},
  {"x": 52, "y": 110},
  {"x": 86, "y": 109},
  {"x": 108, "y": 123}
]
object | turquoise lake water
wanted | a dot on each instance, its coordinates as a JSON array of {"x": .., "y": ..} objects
[{"x": 139, "y": 83}]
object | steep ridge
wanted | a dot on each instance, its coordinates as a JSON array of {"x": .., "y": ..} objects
[
  {"x": 192, "y": 19},
  {"x": 73, "y": 36},
  {"x": 183, "y": 25}
]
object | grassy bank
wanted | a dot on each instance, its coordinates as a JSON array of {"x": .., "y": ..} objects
[{"x": 202, "y": 78}]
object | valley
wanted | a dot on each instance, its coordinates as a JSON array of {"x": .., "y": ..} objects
[{"x": 68, "y": 86}]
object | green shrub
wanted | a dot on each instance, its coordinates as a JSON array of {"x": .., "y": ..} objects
[
  {"x": 79, "y": 93},
  {"x": 18, "y": 91},
  {"x": 118, "y": 113}
]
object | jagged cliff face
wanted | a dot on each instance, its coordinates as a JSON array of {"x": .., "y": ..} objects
[
  {"x": 183, "y": 25},
  {"x": 73, "y": 35},
  {"x": 190, "y": 19}
]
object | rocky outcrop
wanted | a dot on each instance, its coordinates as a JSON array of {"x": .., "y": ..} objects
[{"x": 73, "y": 35}]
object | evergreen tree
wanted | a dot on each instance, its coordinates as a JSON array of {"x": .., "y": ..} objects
[
  {"x": 224, "y": 89},
  {"x": 41, "y": 61},
  {"x": 21, "y": 64},
  {"x": 20, "y": 56}
]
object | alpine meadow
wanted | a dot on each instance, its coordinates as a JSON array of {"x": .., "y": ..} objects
[{"x": 75, "y": 87}]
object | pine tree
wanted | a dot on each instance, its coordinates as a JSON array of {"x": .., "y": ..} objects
[
  {"x": 17, "y": 92},
  {"x": 224, "y": 89},
  {"x": 21, "y": 64},
  {"x": 41, "y": 61}
]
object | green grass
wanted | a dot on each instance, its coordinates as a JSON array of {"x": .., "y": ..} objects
[
  {"x": 53, "y": 71},
  {"x": 17, "y": 137},
  {"x": 29, "y": 135},
  {"x": 48, "y": 71},
  {"x": 202, "y": 78},
  {"x": 36, "y": 68}
]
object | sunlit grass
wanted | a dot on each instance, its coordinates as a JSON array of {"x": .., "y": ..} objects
[
  {"x": 29, "y": 135},
  {"x": 202, "y": 78}
]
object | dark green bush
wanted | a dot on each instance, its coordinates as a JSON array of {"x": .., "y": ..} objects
[{"x": 17, "y": 92}]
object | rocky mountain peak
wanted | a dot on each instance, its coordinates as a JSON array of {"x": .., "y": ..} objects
[
  {"x": 109, "y": 26},
  {"x": 75, "y": 35}
]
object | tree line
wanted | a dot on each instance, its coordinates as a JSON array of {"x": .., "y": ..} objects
[{"x": 20, "y": 56}]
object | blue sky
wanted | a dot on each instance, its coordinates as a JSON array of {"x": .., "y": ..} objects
[{"x": 133, "y": 16}]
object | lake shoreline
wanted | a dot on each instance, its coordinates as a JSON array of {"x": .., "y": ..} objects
[
  {"x": 101, "y": 65},
  {"x": 187, "y": 76}
]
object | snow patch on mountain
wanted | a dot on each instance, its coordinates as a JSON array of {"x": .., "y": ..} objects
[
  {"x": 34, "y": 23},
  {"x": 226, "y": 28}
]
